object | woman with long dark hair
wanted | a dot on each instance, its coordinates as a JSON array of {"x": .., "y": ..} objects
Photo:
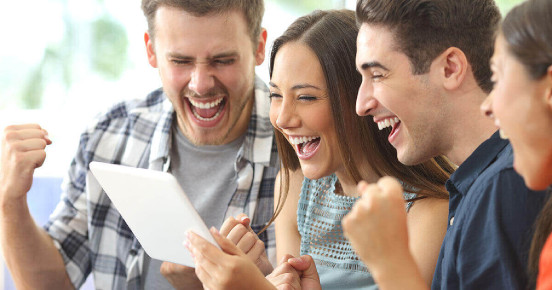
[
  {"x": 326, "y": 149},
  {"x": 521, "y": 104}
]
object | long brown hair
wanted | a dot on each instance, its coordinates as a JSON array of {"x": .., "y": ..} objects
[
  {"x": 527, "y": 30},
  {"x": 332, "y": 36}
]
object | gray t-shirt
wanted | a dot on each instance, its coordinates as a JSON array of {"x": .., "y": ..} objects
[{"x": 208, "y": 176}]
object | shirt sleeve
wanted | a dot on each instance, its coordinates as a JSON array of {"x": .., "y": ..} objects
[
  {"x": 544, "y": 280},
  {"x": 497, "y": 232},
  {"x": 68, "y": 224}
]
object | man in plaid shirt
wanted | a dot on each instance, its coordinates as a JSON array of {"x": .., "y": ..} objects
[{"x": 208, "y": 126}]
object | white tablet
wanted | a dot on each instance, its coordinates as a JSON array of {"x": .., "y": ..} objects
[{"x": 155, "y": 208}]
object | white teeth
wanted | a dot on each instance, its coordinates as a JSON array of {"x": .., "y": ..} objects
[
  {"x": 388, "y": 123},
  {"x": 299, "y": 140},
  {"x": 206, "y": 105}
]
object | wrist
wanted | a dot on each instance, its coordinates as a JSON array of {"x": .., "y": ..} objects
[
  {"x": 10, "y": 206},
  {"x": 401, "y": 273}
]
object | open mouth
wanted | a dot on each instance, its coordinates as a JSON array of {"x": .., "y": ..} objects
[
  {"x": 207, "y": 113},
  {"x": 305, "y": 146},
  {"x": 394, "y": 123}
]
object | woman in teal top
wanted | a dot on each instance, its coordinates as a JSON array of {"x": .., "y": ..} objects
[
  {"x": 322, "y": 141},
  {"x": 319, "y": 213}
]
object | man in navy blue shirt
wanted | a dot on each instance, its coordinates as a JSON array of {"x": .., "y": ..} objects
[{"x": 425, "y": 69}]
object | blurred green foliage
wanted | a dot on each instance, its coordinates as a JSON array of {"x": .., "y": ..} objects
[
  {"x": 109, "y": 44},
  {"x": 107, "y": 55}
]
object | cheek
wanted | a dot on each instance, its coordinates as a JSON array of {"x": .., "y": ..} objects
[{"x": 273, "y": 114}]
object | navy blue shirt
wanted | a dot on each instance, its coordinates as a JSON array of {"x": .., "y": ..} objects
[{"x": 491, "y": 217}]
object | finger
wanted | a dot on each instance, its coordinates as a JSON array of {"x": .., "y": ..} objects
[
  {"x": 225, "y": 244},
  {"x": 29, "y": 145},
  {"x": 306, "y": 264},
  {"x": 26, "y": 133},
  {"x": 257, "y": 250},
  {"x": 244, "y": 220},
  {"x": 370, "y": 190},
  {"x": 361, "y": 185},
  {"x": 390, "y": 185},
  {"x": 285, "y": 258},
  {"x": 247, "y": 242},
  {"x": 229, "y": 224},
  {"x": 29, "y": 161},
  {"x": 284, "y": 267},
  {"x": 18, "y": 127},
  {"x": 237, "y": 233},
  {"x": 203, "y": 270},
  {"x": 197, "y": 244}
]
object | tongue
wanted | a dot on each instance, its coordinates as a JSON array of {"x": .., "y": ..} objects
[
  {"x": 310, "y": 146},
  {"x": 207, "y": 113}
]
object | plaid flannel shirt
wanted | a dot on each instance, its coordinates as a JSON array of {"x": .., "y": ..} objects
[{"x": 91, "y": 235}]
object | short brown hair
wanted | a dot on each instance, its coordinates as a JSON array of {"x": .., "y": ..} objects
[
  {"x": 252, "y": 10},
  {"x": 332, "y": 35},
  {"x": 423, "y": 29}
]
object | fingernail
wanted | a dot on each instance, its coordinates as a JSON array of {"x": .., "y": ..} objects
[
  {"x": 214, "y": 231},
  {"x": 244, "y": 218},
  {"x": 296, "y": 260}
]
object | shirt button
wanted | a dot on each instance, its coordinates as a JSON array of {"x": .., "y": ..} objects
[{"x": 451, "y": 220}]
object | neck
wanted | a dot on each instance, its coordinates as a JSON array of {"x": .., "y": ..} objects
[
  {"x": 469, "y": 127},
  {"x": 349, "y": 185}
]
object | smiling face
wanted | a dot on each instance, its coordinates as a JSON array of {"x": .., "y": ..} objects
[
  {"x": 396, "y": 98},
  {"x": 300, "y": 110},
  {"x": 522, "y": 110},
  {"x": 207, "y": 67}
]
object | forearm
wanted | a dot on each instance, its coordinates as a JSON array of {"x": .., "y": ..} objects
[
  {"x": 402, "y": 273},
  {"x": 30, "y": 254}
]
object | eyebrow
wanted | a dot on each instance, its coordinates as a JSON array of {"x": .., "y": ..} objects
[
  {"x": 297, "y": 87},
  {"x": 369, "y": 65},
  {"x": 220, "y": 55}
]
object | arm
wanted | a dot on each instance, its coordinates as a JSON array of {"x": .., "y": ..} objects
[
  {"x": 376, "y": 227},
  {"x": 31, "y": 256},
  {"x": 288, "y": 239},
  {"x": 427, "y": 225}
]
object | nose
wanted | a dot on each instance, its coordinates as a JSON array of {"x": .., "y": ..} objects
[
  {"x": 287, "y": 117},
  {"x": 201, "y": 79},
  {"x": 365, "y": 99},
  {"x": 487, "y": 106}
]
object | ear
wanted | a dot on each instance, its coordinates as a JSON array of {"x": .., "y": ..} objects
[
  {"x": 150, "y": 49},
  {"x": 261, "y": 45},
  {"x": 454, "y": 67},
  {"x": 548, "y": 91}
]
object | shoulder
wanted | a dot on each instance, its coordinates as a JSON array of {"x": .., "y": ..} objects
[
  {"x": 136, "y": 120},
  {"x": 428, "y": 210}
]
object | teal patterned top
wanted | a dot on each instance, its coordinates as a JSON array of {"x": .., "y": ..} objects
[{"x": 319, "y": 215}]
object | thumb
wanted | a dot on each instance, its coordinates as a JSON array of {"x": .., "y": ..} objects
[
  {"x": 225, "y": 244},
  {"x": 306, "y": 264}
]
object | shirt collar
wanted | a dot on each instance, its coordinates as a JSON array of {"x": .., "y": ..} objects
[{"x": 477, "y": 162}]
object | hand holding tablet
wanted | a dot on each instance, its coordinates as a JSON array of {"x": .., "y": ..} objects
[{"x": 155, "y": 208}]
